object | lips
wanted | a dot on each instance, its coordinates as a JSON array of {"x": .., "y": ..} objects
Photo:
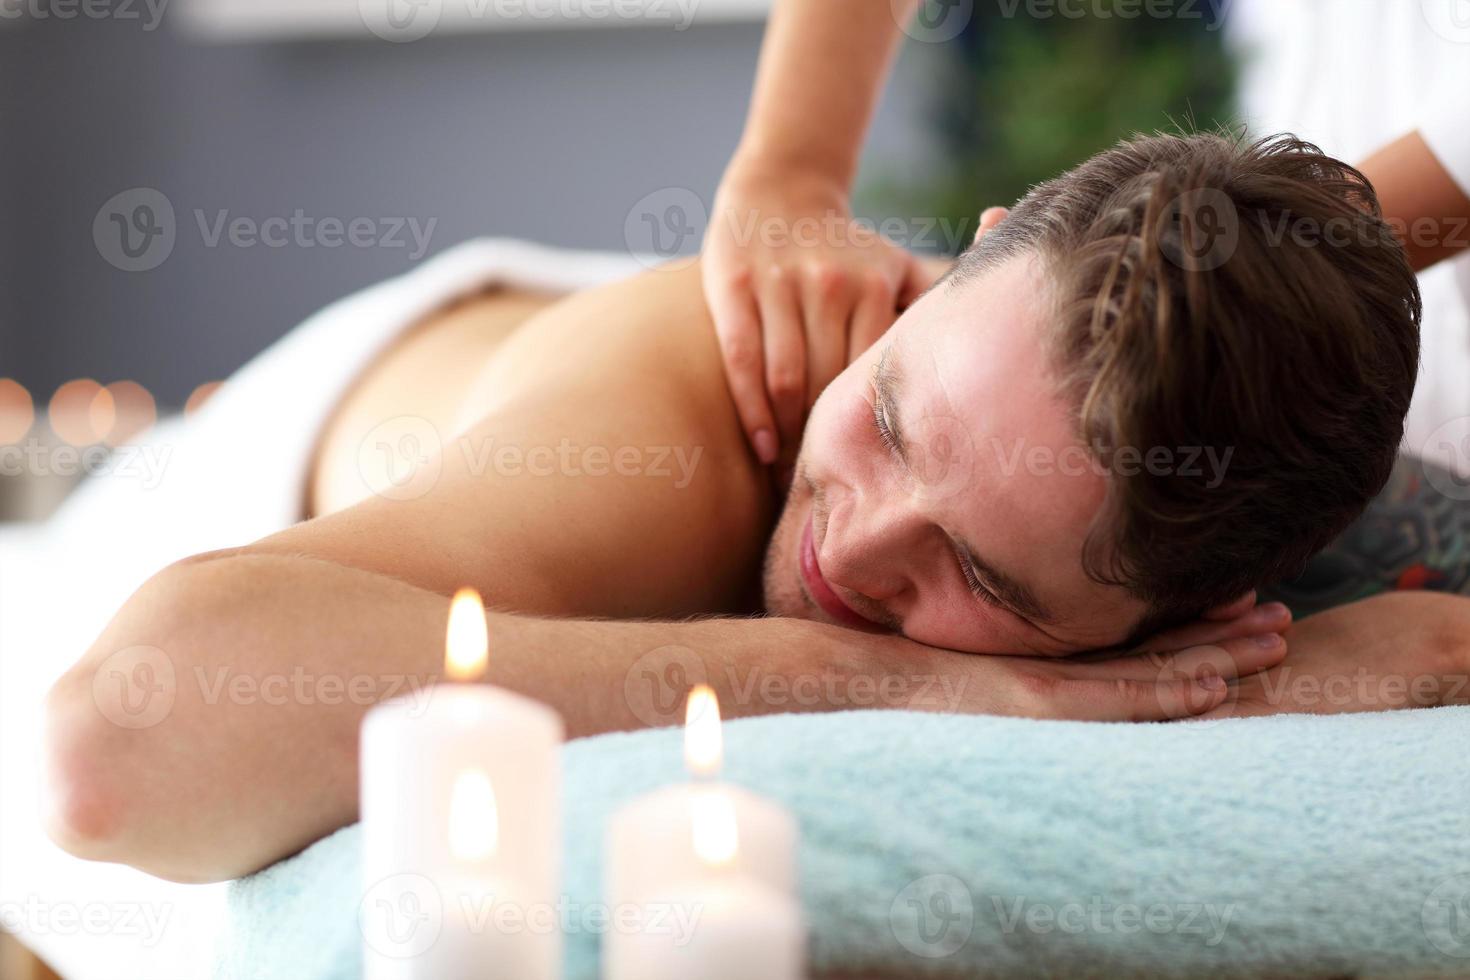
[{"x": 823, "y": 594}]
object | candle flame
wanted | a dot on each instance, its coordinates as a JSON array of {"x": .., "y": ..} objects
[
  {"x": 467, "y": 645},
  {"x": 474, "y": 817},
  {"x": 712, "y": 823},
  {"x": 704, "y": 748}
]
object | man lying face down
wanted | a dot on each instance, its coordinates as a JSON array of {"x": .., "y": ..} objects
[
  {"x": 964, "y": 495},
  {"x": 1133, "y": 399}
]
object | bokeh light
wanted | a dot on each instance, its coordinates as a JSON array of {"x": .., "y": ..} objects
[
  {"x": 17, "y": 413},
  {"x": 70, "y": 412},
  {"x": 200, "y": 395},
  {"x": 121, "y": 411}
]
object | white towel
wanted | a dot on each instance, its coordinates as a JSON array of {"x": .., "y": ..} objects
[{"x": 231, "y": 473}]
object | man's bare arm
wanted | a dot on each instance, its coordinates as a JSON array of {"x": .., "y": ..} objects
[{"x": 270, "y": 661}]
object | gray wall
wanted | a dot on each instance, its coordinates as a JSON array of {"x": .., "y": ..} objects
[{"x": 551, "y": 135}]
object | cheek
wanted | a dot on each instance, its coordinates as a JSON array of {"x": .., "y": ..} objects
[{"x": 953, "y": 620}]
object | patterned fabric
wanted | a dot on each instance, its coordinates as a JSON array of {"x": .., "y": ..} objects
[{"x": 1414, "y": 535}]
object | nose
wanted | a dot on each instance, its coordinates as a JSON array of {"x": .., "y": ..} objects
[{"x": 870, "y": 546}]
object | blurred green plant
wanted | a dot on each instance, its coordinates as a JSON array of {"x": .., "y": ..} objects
[{"x": 1020, "y": 99}]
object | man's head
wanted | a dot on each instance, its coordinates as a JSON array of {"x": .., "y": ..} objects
[{"x": 1165, "y": 378}]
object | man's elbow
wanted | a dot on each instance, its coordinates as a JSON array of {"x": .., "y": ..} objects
[
  {"x": 85, "y": 812},
  {"x": 102, "y": 789},
  {"x": 113, "y": 741}
]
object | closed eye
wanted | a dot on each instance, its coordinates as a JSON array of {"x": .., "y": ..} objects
[
  {"x": 884, "y": 385},
  {"x": 973, "y": 581},
  {"x": 885, "y": 431}
]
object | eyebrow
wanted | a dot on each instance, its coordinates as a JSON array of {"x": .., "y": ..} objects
[{"x": 1011, "y": 592}]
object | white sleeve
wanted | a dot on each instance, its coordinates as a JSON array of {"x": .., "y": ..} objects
[{"x": 1447, "y": 132}]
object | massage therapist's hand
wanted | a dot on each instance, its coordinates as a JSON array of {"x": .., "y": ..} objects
[
  {"x": 1182, "y": 674},
  {"x": 1396, "y": 650},
  {"x": 797, "y": 291}
]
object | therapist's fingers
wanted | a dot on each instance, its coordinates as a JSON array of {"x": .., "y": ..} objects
[
  {"x": 874, "y": 313},
  {"x": 785, "y": 356},
  {"x": 737, "y": 324},
  {"x": 827, "y": 304},
  {"x": 920, "y": 274}
]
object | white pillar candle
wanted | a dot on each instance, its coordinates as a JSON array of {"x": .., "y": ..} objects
[
  {"x": 461, "y": 826},
  {"x": 709, "y": 869}
]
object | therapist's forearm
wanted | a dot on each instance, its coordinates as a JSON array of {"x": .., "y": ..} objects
[
  {"x": 1427, "y": 209},
  {"x": 267, "y": 664},
  {"x": 822, "y": 66}
]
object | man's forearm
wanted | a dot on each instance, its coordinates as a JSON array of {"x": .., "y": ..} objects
[{"x": 213, "y": 727}]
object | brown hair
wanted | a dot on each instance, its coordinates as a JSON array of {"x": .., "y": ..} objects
[{"x": 1242, "y": 296}]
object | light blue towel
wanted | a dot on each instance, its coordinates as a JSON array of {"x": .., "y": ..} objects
[{"x": 960, "y": 846}]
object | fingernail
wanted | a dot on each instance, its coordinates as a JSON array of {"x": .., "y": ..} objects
[
  {"x": 1212, "y": 682},
  {"x": 1273, "y": 610},
  {"x": 1268, "y": 640},
  {"x": 765, "y": 446}
]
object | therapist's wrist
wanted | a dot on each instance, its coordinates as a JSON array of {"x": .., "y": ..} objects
[
  {"x": 815, "y": 165},
  {"x": 779, "y": 191}
]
